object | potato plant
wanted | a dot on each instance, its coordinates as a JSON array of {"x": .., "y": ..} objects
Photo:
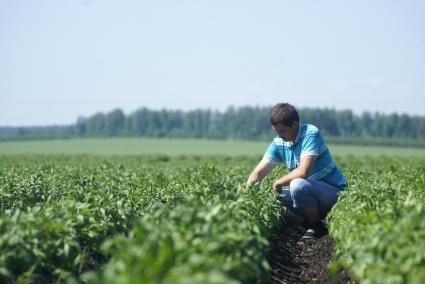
[
  {"x": 62, "y": 221},
  {"x": 379, "y": 223},
  {"x": 155, "y": 219}
]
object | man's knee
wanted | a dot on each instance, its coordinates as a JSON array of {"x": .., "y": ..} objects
[
  {"x": 297, "y": 183},
  {"x": 299, "y": 186}
]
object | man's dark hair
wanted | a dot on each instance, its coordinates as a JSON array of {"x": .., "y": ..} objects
[{"x": 283, "y": 113}]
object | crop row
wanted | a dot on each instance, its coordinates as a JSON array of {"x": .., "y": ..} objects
[
  {"x": 379, "y": 223},
  {"x": 180, "y": 220},
  {"x": 115, "y": 222}
]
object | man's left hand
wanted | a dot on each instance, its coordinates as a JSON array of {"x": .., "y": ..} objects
[{"x": 277, "y": 186}]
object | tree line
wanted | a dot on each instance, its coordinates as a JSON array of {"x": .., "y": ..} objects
[{"x": 247, "y": 122}]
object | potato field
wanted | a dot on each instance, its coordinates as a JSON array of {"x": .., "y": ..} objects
[{"x": 190, "y": 219}]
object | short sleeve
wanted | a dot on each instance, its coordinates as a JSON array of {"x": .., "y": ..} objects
[
  {"x": 311, "y": 143},
  {"x": 272, "y": 154}
]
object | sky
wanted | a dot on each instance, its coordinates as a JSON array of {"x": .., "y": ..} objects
[{"x": 69, "y": 58}]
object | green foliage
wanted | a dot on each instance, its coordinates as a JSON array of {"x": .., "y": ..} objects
[
  {"x": 126, "y": 221},
  {"x": 379, "y": 224},
  {"x": 156, "y": 219}
]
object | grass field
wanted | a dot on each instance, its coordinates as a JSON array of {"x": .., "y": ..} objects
[{"x": 173, "y": 147}]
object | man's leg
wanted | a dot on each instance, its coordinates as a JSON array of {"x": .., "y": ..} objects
[
  {"x": 315, "y": 198},
  {"x": 294, "y": 217},
  {"x": 291, "y": 214},
  {"x": 312, "y": 214}
]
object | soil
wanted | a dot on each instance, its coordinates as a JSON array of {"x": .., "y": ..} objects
[{"x": 302, "y": 263}]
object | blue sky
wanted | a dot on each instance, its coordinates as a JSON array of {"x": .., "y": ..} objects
[{"x": 62, "y": 59}]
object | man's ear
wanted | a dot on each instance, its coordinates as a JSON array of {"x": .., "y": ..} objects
[{"x": 294, "y": 124}]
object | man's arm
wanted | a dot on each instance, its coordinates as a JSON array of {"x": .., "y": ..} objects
[
  {"x": 261, "y": 170},
  {"x": 302, "y": 171}
]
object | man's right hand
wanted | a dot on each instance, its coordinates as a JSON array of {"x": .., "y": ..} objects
[{"x": 260, "y": 171}]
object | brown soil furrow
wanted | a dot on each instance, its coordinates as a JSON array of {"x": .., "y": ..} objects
[{"x": 302, "y": 263}]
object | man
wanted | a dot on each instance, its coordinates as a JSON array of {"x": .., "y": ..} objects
[{"x": 314, "y": 180}]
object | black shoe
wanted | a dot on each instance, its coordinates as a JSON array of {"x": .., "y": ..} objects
[{"x": 314, "y": 232}]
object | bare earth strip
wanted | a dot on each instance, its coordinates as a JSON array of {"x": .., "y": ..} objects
[{"x": 308, "y": 263}]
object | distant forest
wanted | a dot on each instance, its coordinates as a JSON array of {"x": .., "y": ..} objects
[{"x": 249, "y": 123}]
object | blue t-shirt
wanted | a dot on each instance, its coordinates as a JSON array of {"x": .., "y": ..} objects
[{"x": 309, "y": 141}]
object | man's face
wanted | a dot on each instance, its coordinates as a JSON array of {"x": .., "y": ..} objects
[{"x": 287, "y": 133}]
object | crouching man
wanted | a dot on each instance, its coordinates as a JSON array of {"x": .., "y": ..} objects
[{"x": 314, "y": 180}]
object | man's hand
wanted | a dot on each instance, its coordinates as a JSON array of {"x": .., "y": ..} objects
[
  {"x": 260, "y": 171},
  {"x": 277, "y": 186},
  {"x": 302, "y": 171}
]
